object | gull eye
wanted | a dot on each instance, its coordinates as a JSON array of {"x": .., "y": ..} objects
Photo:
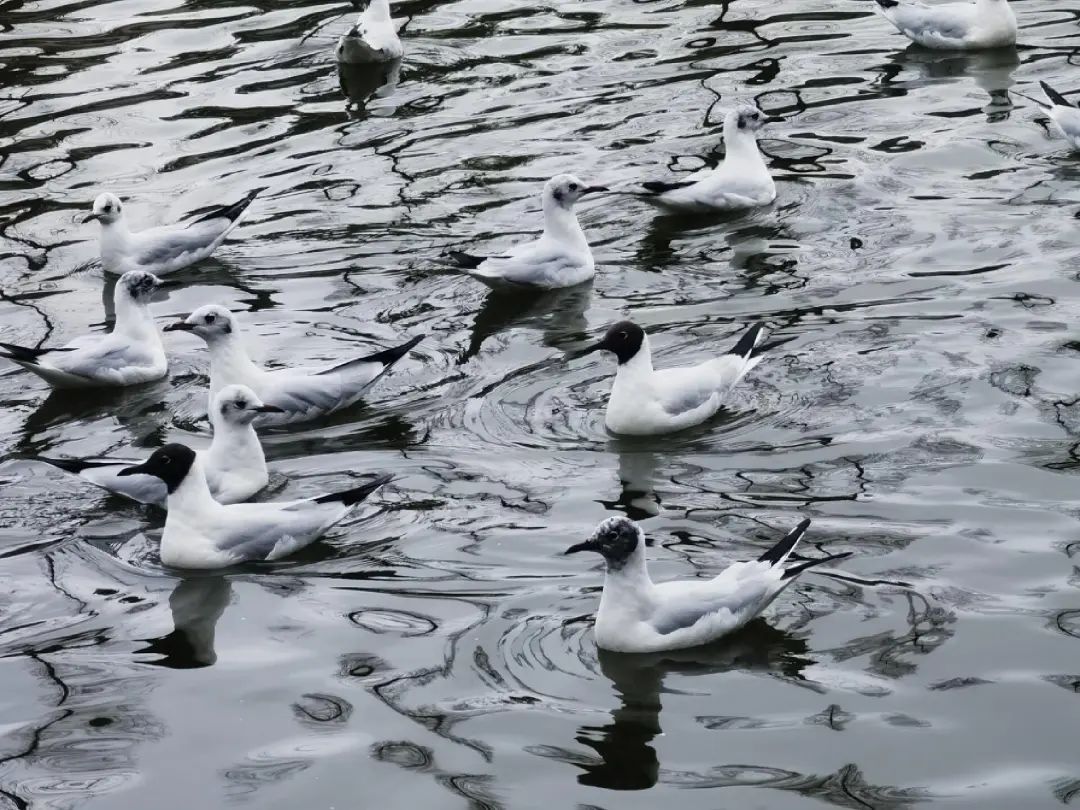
[
  {"x": 210, "y": 318},
  {"x": 573, "y": 186},
  {"x": 166, "y": 460},
  {"x": 625, "y": 335},
  {"x": 240, "y": 404}
]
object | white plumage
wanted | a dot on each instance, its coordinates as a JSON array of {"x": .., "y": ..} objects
[
  {"x": 374, "y": 38},
  {"x": 962, "y": 26}
]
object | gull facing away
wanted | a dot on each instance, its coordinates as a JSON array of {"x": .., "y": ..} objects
[
  {"x": 132, "y": 353},
  {"x": 963, "y": 26},
  {"x": 202, "y": 533},
  {"x": 646, "y": 402},
  {"x": 741, "y": 181},
  {"x": 374, "y": 38},
  {"x": 1064, "y": 114},
  {"x": 559, "y": 258},
  {"x": 638, "y": 615},
  {"x": 298, "y": 394},
  {"x": 165, "y": 249},
  {"x": 234, "y": 463}
]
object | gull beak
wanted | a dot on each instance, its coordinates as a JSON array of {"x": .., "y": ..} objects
[
  {"x": 268, "y": 409},
  {"x": 138, "y": 469},
  {"x": 596, "y": 347},
  {"x": 179, "y": 326},
  {"x": 588, "y": 545},
  {"x": 591, "y": 189},
  {"x": 89, "y": 218},
  {"x": 773, "y": 119},
  {"x": 162, "y": 284}
]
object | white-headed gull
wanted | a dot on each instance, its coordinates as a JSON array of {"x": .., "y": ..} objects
[
  {"x": 165, "y": 249},
  {"x": 234, "y": 463},
  {"x": 963, "y": 26},
  {"x": 300, "y": 394},
  {"x": 645, "y": 401},
  {"x": 742, "y": 179},
  {"x": 202, "y": 533},
  {"x": 559, "y": 258},
  {"x": 374, "y": 38},
  {"x": 130, "y": 354},
  {"x": 638, "y": 615}
]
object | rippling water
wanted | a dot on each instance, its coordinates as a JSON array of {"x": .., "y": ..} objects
[{"x": 436, "y": 652}]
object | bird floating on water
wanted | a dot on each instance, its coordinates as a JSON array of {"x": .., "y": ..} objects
[
  {"x": 132, "y": 353},
  {"x": 741, "y": 181},
  {"x": 645, "y": 401},
  {"x": 637, "y": 615},
  {"x": 165, "y": 249},
  {"x": 1064, "y": 114},
  {"x": 202, "y": 533},
  {"x": 374, "y": 38},
  {"x": 559, "y": 258},
  {"x": 298, "y": 394},
  {"x": 234, "y": 463},
  {"x": 963, "y": 26}
]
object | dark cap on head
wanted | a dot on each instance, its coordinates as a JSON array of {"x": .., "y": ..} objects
[
  {"x": 616, "y": 539},
  {"x": 623, "y": 340},
  {"x": 170, "y": 463}
]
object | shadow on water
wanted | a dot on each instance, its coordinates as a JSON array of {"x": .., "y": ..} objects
[{"x": 196, "y": 604}]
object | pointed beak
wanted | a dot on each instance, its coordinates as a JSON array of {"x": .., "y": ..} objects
[
  {"x": 773, "y": 119},
  {"x": 596, "y": 347},
  {"x": 179, "y": 326},
  {"x": 138, "y": 469},
  {"x": 588, "y": 545},
  {"x": 268, "y": 409},
  {"x": 162, "y": 284},
  {"x": 591, "y": 189},
  {"x": 89, "y": 218}
]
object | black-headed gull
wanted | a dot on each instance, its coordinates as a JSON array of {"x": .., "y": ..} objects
[
  {"x": 301, "y": 394},
  {"x": 374, "y": 38},
  {"x": 645, "y": 401},
  {"x": 234, "y": 463},
  {"x": 559, "y": 258},
  {"x": 132, "y": 353},
  {"x": 638, "y": 615},
  {"x": 742, "y": 179},
  {"x": 202, "y": 533},
  {"x": 165, "y": 249},
  {"x": 963, "y": 26}
]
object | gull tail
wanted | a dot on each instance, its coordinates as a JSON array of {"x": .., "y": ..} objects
[
  {"x": 464, "y": 260},
  {"x": 1054, "y": 96},
  {"x": 886, "y": 4},
  {"x": 795, "y": 570},
  {"x": 351, "y": 497},
  {"x": 660, "y": 187},
  {"x": 24, "y": 354},
  {"x": 385, "y": 358},
  {"x": 230, "y": 212},
  {"x": 77, "y": 465},
  {"x": 749, "y": 342},
  {"x": 782, "y": 550}
]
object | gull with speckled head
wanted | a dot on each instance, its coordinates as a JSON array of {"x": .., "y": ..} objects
[
  {"x": 561, "y": 257},
  {"x": 297, "y": 394},
  {"x": 645, "y": 401},
  {"x": 202, "y": 533},
  {"x": 374, "y": 38},
  {"x": 741, "y": 181},
  {"x": 234, "y": 463},
  {"x": 963, "y": 26},
  {"x": 638, "y": 615},
  {"x": 131, "y": 354},
  {"x": 165, "y": 249}
]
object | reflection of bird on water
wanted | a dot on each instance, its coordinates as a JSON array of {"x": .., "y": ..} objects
[
  {"x": 560, "y": 314},
  {"x": 361, "y": 83},
  {"x": 627, "y": 760},
  {"x": 196, "y": 604},
  {"x": 990, "y": 70}
]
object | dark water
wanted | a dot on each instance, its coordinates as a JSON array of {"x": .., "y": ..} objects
[{"x": 436, "y": 652}]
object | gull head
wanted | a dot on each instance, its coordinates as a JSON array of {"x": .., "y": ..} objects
[
  {"x": 107, "y": 209},
  {"x": 238, "y": 405},
  {"x": 170, "y": 463},
  {"x": 616, "y": 539},
  {"x": 211, "y": 323},
  {"x": 624, "y": 340},
  {"x": 565, "y": 190},
  {"x": 746, "y": 118},
  {"x": 139, "y": 285}
]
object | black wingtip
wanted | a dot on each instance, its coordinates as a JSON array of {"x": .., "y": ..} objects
[
  {"x": 888, "y": 3},
  {"x": 795, "y": 570},
  {"x": 659, "y": 187},
  {"x": 781, "y": 549},
  {"x": 465, "y": 260},
  {"x": 749, "y": 341},
  {"x": 23, "y": 354},
  {"x": 353, "y": 496},
  {"x": 231, "y": 212},
  {"x": 1054, "y": 95},
  {"x": 390, "y": 356},
  {"x": 71, "y": 465}
]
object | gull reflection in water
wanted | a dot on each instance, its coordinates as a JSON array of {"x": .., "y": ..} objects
[
  {"x": 625, "y": 759},
  {"x": 197, "y": 603}
]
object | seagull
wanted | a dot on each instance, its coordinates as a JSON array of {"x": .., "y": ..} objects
[
  {"x": 235, "y": 464},
  {"x": 374, "y": 38},
  {"x": 965, "y": 26},
  {"x": 298, "y": 394},
  {"x": 646, "y": 402},
  {"x": 1065, "y": 115},
  {"x": 559, "y": 258},
  {"x": 640, "y": 616},
  {"x": 741, "y": 181},
  {"x": 202, "y": 533},
  {"x": 130, "y": 354},
  {"x": 165, "y": 249}
]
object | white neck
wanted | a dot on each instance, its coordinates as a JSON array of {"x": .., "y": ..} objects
[
  {"x": 192, "y": 497},
  {"x": 741, "y": 146},
  {"x": 377, "y": 11},
  {"x": 132, "y": 317},
  {"x": 628, "y": 589},
  {"x": 234, "y": 446},
  {"x": 230, "y": 364},
  {"x": 561, "y": 224},
  {"x": 637, "y": 367}
]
